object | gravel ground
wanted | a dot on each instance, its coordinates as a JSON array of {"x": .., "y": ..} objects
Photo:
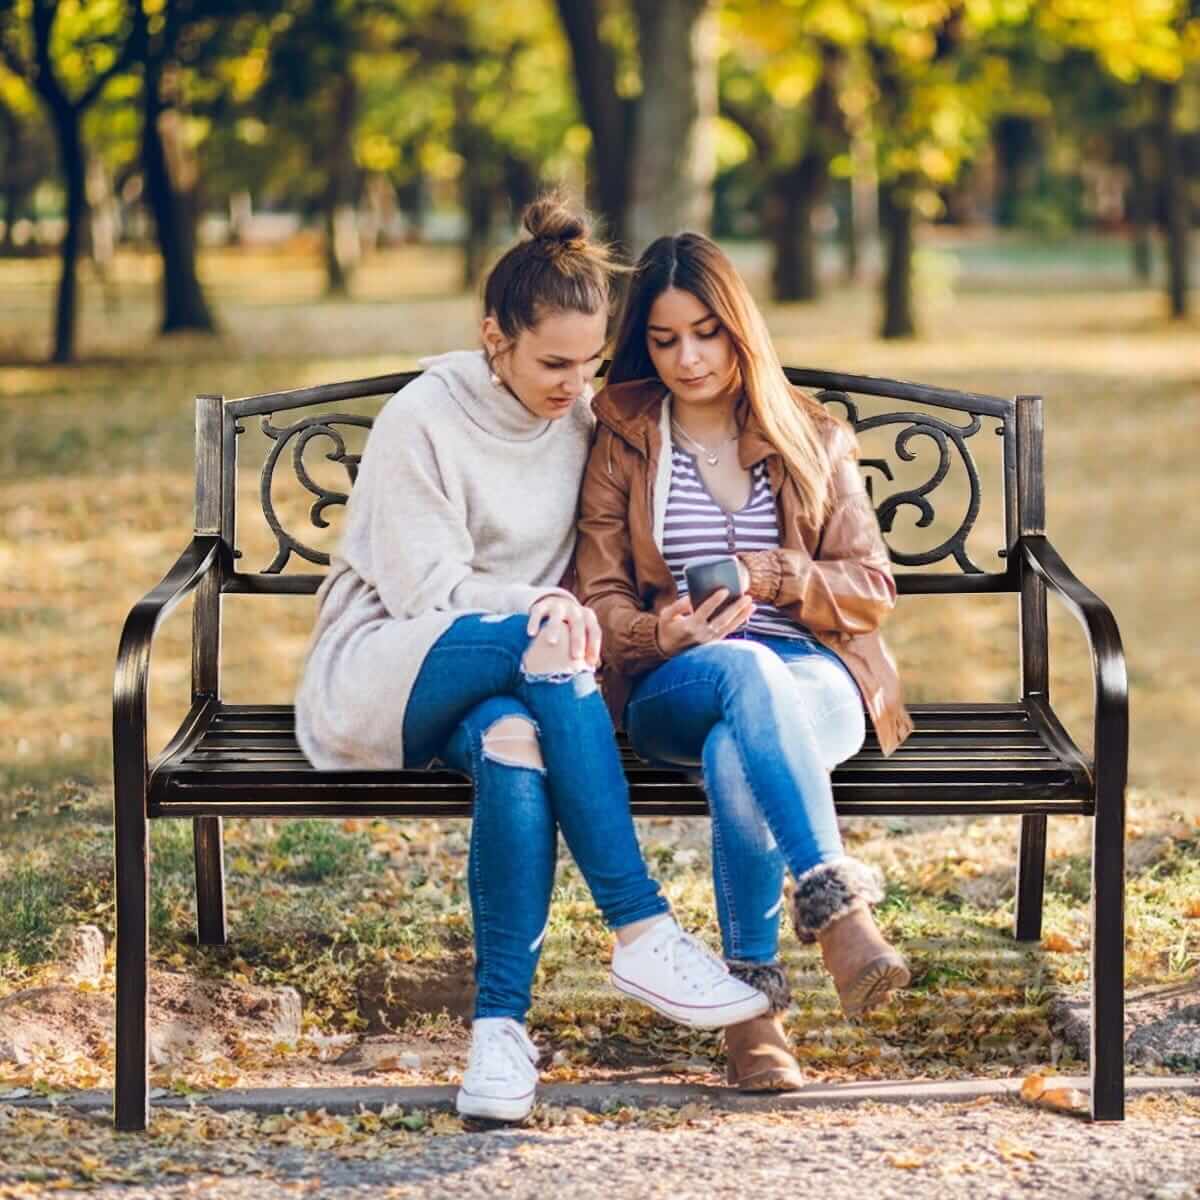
[{"x": 993, "y": 1148}]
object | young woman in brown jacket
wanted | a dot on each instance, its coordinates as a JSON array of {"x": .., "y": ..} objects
[{"x": 703, "y": 448}]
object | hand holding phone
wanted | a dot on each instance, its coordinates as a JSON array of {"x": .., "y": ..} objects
[{"x": 706, "y": 575}]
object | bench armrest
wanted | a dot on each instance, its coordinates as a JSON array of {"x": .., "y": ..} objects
[
  {"x": 1109, "y": 678},
  {"x": 131, "y": 682}
]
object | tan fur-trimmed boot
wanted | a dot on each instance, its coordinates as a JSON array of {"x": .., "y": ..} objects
[
  {"x": 758, "y": 1057},
  {"x": 831, "y": 906}
]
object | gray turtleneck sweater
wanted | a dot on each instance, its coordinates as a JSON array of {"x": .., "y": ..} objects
[{"x": 465, "y": 502}]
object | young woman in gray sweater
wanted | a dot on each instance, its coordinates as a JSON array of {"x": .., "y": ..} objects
[{"x": 445, "y": 631}]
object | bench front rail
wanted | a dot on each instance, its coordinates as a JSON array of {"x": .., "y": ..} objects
[{"x": 1011, "y": 757}]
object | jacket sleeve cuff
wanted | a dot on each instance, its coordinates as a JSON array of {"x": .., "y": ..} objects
[
  {"x": 643, "y": 638},
  {"x": 765, "y": 574}
]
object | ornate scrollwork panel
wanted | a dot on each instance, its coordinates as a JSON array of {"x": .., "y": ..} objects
[
  {"x": 945, "y": 437},
  {"x": 300, "y": 436},
  {"x": 949, "y": 440}
]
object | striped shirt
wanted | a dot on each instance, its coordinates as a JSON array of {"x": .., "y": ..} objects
[{"x": 696, "y": 526}]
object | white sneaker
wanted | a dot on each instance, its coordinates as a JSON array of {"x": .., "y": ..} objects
[
  {"x": 678, "y": 975},
  {"x": 501, "y": 1074}
]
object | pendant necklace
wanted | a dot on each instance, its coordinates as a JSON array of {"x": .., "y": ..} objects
[{"x": 711, "y": 456}]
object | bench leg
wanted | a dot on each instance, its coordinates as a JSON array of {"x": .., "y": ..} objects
[
  {"x": 131, "y": 1101},
  {"x": 1031, "y": 878},
  {"x": 210, "y": 882},
  {"x": 1108, "y": 953}
]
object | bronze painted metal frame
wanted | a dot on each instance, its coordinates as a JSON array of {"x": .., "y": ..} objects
[{"x": 1012, "y": 757}]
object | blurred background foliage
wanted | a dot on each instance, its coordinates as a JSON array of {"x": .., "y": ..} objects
[{"x": 833, "y": 129}]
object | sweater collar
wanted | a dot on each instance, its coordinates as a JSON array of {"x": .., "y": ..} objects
[{"x": 492, "y": 407}]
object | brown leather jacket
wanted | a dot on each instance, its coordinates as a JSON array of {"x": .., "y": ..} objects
[{"x": 835, "y": 580}]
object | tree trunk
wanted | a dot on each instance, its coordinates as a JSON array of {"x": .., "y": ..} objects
[
  {"x": 102, "y": 230},
  {"x": 610, "y": 117},
  {"x": 169, "y": 189},
  {"x": 379, "y": 198},
  {"x": 15, "y": 187},
  {"x": 241, "y": 209},
  {"x": 477, "y": 202},
  {"x": 798, "y": 191},
  {"x": 520, "y": 183},
  {"x": 67, "y": 127},
  {"x": 864, "y": 205},
  {"x": 342, "y": 246},
  {"x": 896, "y": 220},
  {"x": 1177, "y": 214},
  {"x": 410, "y": 196},
  {"x": 1015, "y": 142},
  {"x": 793, "y": 196},
  {"x": 847, "y": 231},
  {"x": 674, "y": 145},
  {"x": 1140, "y": 205},
  {"x": 477, "y": 186}
]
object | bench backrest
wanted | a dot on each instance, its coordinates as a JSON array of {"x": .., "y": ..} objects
[
  {"x": 920, "y": 463},
  {"x": 951, "y": 516}
]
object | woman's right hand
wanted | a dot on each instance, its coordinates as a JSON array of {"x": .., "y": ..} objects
[{"x": 680, "y": 626}]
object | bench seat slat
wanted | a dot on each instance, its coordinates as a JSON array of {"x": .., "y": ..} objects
[
  {"x": 961, "y": 758},
  {"x": 287, "y": 753}
]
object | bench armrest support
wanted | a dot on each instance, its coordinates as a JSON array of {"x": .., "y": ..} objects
[
  {"x": 131, "y": 682},
  {"x": 1109, "y": 677}
]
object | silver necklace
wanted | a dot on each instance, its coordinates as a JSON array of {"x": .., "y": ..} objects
[{"x": 711, "y": 456}]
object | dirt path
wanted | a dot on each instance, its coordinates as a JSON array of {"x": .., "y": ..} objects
[{"x": 993, "y": 1148}]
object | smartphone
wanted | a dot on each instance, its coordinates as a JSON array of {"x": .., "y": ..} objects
[{"x": 707, "y": 575}]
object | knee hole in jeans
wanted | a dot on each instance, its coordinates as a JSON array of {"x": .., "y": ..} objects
[{"x": 513, "y": 742}]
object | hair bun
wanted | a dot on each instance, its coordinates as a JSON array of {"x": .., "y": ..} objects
[{"x": 550, "y": 219}]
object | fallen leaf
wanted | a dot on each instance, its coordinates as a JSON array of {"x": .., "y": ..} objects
[
  {"x": 1193, "y": 909},
  {"x": 443, "y": 1123},
  {"x": 905, "y": 1159},
  {"x": 1057, "y": 943},
  {"x": 1009, "y": 1148},
  {"x": 1063, "y": 1099},
  {"x": 1033, "y": 1087}
]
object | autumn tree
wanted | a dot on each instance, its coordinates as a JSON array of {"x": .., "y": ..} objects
[
  {"x": 67, "y": 51},
  {"x": 1153, "y": 48},
  {"x": 26, "y": 155},
  {"x": 488, "y": 102},
  {"x": 646, "y": 77},
  {"x": 782, "y": 85},
  {"x": 312, "y": 88}
]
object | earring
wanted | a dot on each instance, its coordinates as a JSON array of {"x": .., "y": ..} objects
[{"x": 494, "y": 379}]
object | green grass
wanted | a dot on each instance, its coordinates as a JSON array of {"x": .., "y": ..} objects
[{"x": 32, "y": 901}]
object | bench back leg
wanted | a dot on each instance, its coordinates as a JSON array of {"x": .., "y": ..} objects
[
  {"x": 210, "y": 881},
  {"x": 1031, "y": 878},
  {"x": 131, "y": 1101}
]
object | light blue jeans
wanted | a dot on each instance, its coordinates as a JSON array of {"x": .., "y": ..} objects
[
  {"x": 767, "y": 719},
  {"x": 472, "y": 678}
]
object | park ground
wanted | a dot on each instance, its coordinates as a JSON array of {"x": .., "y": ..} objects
[{"x": 369, "y": 921}]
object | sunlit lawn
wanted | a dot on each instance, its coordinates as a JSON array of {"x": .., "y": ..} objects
[{"x": 96, "y": 478}]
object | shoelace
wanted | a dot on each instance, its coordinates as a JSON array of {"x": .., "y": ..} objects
[
  {"x": 688, "y": 956},
  {"x": 493, "y": 1055}
]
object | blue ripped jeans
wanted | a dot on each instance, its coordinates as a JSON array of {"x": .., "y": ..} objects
[
  {"x": 767, "y": 719},
  {"x": 471, "y": 679}
]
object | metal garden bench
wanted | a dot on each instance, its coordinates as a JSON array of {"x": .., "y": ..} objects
[{"x": 1013, "y": 757}]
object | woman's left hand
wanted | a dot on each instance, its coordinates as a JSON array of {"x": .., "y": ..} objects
[{"x": 559, "y": 613}]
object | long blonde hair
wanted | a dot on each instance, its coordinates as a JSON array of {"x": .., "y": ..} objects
[{"x": 696, "y": 264}]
